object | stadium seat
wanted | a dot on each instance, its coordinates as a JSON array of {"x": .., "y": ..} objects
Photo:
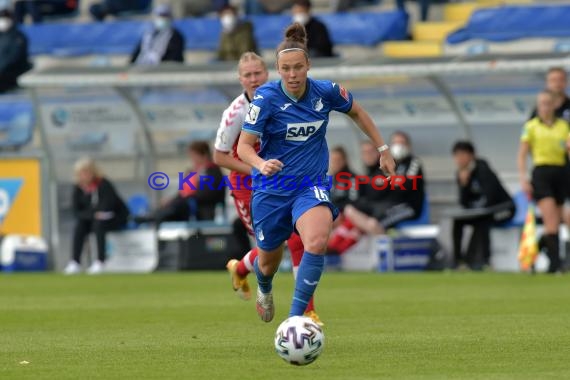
[
  {"x": 434, "y": 31},
  {"x": 412, "y": 49},
  {"x": 458, "y": 12},
  {"x": 423, "y": 219},
  {"x": 120, "y": 37},
  {"x": 521, "y": 204},
  {"x": 510, "y": 23},
  {"x": 138, "y": 204}
]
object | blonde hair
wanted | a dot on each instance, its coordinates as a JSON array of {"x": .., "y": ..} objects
[
  {"x": 250, "y": 56},
  {"x": 86, "y": 163}
]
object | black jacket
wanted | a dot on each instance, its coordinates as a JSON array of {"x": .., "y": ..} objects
[
  {"x": 174, "y": 51},
  {"x": 207, "y": 196},
  {"x": 483, "y": 188},
  {"x": 411, "y": 189},
  {"x": 343, "y": 190},
  {"x": 104, "y": 198},
  {"x": 318, "y": 39},
  {"x": 13, "y": 57}
]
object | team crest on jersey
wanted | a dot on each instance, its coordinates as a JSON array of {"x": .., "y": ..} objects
[
  {"x": 302, "y": 131},
  {"x": 343, "y": 92},
  {"x": 252, "y": 114},
  {"x": 318, "y": 104}
]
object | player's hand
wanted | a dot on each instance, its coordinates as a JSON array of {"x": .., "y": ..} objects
[
  {"x": 270, "y": 167},
  {"x": 387, "y": 164},
  {"x": 527, "y": 189},
  {"x": 104, "y": 215}
]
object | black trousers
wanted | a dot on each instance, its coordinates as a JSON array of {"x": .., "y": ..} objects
[
  {"x": 479, "y": 248},
  {"x": 100, "y": 228}
]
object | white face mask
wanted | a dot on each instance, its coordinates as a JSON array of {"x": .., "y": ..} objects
[
  {"x": 399, "y": 151},
  {"x": 301, "y": 18},
  {"x": 5, "y": 23},
  {"x": 228, "y": 22},
  {"x": 161, "y": 23}
]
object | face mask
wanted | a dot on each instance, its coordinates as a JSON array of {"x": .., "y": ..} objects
[
  {"x": 5, "y": 24},
  {"x": 161, "y": 23},
  {"x": 228, "y": 22},
  {"x": 399, "y": 151},
  {"x": 301, "y": 18}
]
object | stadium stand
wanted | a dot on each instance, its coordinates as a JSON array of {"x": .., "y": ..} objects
[{"x": 120, "y": 37}]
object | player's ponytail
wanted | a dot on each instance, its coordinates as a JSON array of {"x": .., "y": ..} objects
[{"x": 295, "y": 39}]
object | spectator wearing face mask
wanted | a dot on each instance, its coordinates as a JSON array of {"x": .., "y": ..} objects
[
  {"x": 161, "y": 43},
  {"x": 379, "y": 209},
  {"x": 318, "y": 39},
  {"x": 13, "y": 52},
  {"x": 237, "y": 36}
]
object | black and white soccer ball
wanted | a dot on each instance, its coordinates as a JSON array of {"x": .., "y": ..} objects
[{"x": 299, "y": 340}]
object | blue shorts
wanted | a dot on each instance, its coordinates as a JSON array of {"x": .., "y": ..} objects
[{"x": 274, "y": 216}]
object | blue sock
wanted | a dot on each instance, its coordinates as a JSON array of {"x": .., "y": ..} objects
[
  {"x": 308, "y": 277},
  {"x": 263, "y": 281}
]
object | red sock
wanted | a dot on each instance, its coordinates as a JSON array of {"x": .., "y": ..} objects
[
  {"x": 344, "y": 237},
  {"x": 245, "y": 265},
  {"x": 296, "y": 248}
]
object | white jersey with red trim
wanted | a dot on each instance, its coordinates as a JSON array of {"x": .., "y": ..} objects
[
  {"x": 228, "y": 135},
  {"x": 230, "y": 125}
]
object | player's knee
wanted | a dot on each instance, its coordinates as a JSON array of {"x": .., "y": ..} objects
[{"x": 316, "y": 243}]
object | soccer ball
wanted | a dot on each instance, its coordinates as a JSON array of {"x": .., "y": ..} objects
[{"x": 299, "y": 340}]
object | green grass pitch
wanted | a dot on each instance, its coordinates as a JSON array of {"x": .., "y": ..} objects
[{"x": 192, "y": 326}]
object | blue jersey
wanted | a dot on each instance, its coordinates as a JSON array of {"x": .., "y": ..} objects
[{"x": 293, "y": 132}]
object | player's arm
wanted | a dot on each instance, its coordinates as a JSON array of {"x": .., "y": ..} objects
[
  {"x": 226, "y": 160},
  {"x": 365, "y": 123},
  {"x": 246, "y": 151}
]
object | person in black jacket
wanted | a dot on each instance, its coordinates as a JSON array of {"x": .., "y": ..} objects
[
  {"x": 318, "y": 39},
  {"x": 98, "y": 208},
  {"x": 481, "y": 191},
  {"x": 13, "y": 52},
  {"x": 382, "y": 205},
  {"x": 402, "y": 199},
  {"x": 200, "y": 194},
  {"x": 161, "y": 43}
]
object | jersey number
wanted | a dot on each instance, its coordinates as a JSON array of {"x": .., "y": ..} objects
[{"x": 321, "y": 194}]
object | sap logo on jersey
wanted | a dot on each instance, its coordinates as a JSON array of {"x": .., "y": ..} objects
[{"x": 302, "y": 131}]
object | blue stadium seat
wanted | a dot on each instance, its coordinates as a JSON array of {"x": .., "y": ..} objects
[
  {"x": 121, "y": 37},
  {"x": 138, "y": 204},
  {"x": 423, "y": 219},
  {"x": 511, "y": 23},
  {"x": 521, "y": 204}
]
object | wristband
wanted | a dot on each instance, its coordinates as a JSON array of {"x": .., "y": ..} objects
[{"x": 383, "y": 148}]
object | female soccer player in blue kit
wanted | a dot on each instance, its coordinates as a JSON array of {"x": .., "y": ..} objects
[{"x": 290, "y": 117}]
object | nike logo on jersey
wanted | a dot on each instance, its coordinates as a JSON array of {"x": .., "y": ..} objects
[
  {"x": 258, "y": 97},
  {"x": 260, "y": 236},
  {"x": 302, "y": 131},
  {"x": 309, "y": 282},
  {"x": 285, "y": 106}
]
